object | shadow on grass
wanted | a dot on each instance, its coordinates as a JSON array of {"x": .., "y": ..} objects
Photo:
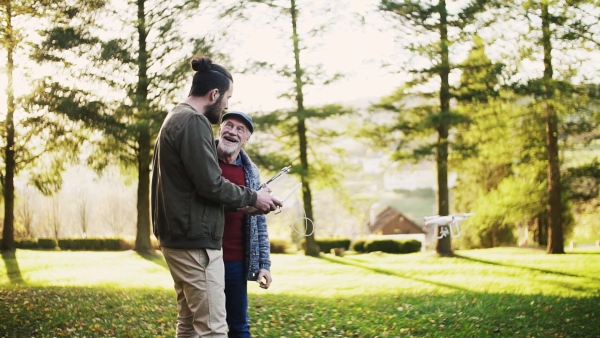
[
  {"x": 390, "y": 273},
  {"x": 551, "y": 272},
  {"x": 12, "y": 268},
  {"x": 153, "y": 256}
]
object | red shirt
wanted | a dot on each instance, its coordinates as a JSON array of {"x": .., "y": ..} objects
[{"x": 233, "y": 236}]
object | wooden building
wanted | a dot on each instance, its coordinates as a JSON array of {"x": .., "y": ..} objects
[{"x": 392, "y": 222}]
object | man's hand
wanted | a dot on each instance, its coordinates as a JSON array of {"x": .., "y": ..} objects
[
  {"x": 265, "y": 202},
  {"x": 264, "y": 278},
  {"x": 250, "y": 211}
]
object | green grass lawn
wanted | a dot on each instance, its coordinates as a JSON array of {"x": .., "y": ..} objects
[{"x": 502, "y": 292}]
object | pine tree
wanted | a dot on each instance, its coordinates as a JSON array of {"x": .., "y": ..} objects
[
  {"x": 298, "y": 124},
  {"x": 13, "y": 40},
  {"x": 437, "y": 31},
  {"x": 557, "y": 26},
  {"x": 126, "y": 85}
]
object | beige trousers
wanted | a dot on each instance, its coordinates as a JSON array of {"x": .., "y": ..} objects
[{"x": 199, "y": 277}]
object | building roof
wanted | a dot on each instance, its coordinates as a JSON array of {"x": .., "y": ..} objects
[{"x": 390, "y": 217}]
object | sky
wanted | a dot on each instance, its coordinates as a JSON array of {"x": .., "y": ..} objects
[{"x": 344, "y": 47}]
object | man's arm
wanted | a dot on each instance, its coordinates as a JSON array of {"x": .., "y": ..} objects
[{"x": 199, "y": 156}]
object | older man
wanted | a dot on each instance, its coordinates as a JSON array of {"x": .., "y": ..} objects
[{"x": 245, "y": 240}]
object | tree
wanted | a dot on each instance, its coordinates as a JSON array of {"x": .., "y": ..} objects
[
  {"x": 291, "y": 129},
  {"x": 140, "y": 78},
  {"x": 26, "y": 210},
  {"x": 53, "y": 215},
  {"x": 83, "y": 211},
  {"x": 12, "y": 39},
  {"x": 505, "y": 176},
  {"x": 557, "y": 26},
  {"x": 483, "y": 165},
  {"x": 435, "y": 31}
]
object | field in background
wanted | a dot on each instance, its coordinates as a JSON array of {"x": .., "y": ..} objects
[{"x": 504, "y": 291}]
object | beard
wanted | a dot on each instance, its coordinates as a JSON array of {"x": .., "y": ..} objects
[
  {"x": 214, "y": 111},
  {"x": 229, "y": 149}
]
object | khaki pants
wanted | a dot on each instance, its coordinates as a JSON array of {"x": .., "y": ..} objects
[{"x": 199, "y": 277}]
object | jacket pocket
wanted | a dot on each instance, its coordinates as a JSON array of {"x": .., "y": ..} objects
[{"x": 204, "y": 218}]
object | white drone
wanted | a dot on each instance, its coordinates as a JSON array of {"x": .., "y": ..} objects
[{"x": 451, "y": 221}]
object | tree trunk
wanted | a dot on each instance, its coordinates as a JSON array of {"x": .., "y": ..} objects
[
  {"x": 310, "y": 245},
  {"x": 142, "y": 240},
  {"x": 542, "y": 229},
  {"x": 444, "y": 245},
  {"x": 8, "y": 233},
  {"x": 555, "y": 233}
]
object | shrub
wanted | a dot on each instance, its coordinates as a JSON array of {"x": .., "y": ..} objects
[
  {"x": 112, "y": 244},
  {"x": 383, "y": 245},
  {"x": 47, "y": 243},
  {"x": 26, "y": 244},
  {"x": 412, "y": 246},
  {"x": 392, "y": 246},
  {"x": 90, "y": 244},
  {"x": 280, "y": 245},
  {"x": 358, "y": 245},
  {"x": 325, "y": 245}
]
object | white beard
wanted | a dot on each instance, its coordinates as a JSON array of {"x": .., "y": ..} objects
[{"x": 229, "y": 149}]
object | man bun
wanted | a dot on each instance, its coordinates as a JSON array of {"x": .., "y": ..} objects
[
  {"x": 201, "y": 64},
  {"x": 208, "y": 76}
]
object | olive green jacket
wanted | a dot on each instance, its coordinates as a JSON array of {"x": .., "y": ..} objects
[{"x": 187, "y": 191}]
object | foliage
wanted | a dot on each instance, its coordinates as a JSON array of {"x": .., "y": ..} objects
[
  {"x": 392, "y": 246},
  {"x": 87, "y": 244},
  {"x": 582, "y": 186},
  {"x": 326, "y": 244},
  {"x": 279, "y": 246},
  {"x": 555, "y": 27},
  {"x": 583, "y": 182},
  {"x": 47, "y": 243},
  {"x": 91, "y": 244},
  {"x": 501, "y": 181},
  {"x": 513, "y": 292},
  {"x": 26, "y": 244},
  {"x": 124, "y": 86},
  {"x": 422, "y": 131},
  {"x": 20, "y": 148},
  {"x": 358, "y": 245},
  {"x": 296, "y": 133}
]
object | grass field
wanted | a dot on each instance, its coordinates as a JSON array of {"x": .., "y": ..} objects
[{"x": 502, "y": 292}]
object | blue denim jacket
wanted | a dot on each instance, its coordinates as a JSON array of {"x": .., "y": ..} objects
[{"x": 258, "y": 247}]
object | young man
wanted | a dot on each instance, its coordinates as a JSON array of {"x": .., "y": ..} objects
[
  {"x": 246, "y": 247},
  {"x": 187, "y": 199}
]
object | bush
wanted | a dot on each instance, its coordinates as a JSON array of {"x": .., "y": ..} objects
[
  {"x": 112, "y": 244},
  {"x": 26, "y": 244},
  {"x": 90, "y": 244},
  {"x": 325, "y": 245},
  {"x": 47, "y": 243},
  {"x": 392, "y": 246},
  {"x": 280, "y": 245},
  {"x": 358, "y": 245},
  {"x": 412, "y": 246}
]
